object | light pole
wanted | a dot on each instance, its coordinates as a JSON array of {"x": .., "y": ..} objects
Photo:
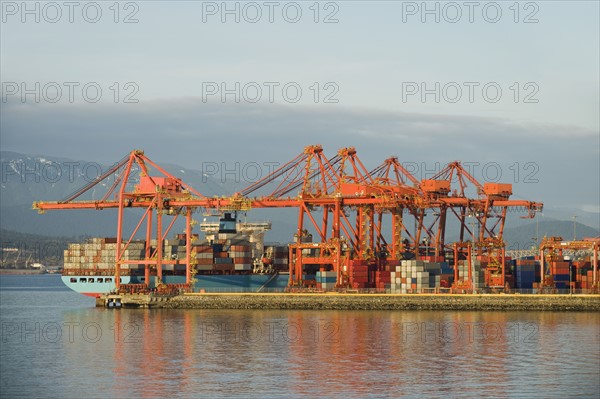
[
  {"x": 570, "y": 290},
  {"x": 574, "y": 228},
  {"x": 472, "y": 217}
]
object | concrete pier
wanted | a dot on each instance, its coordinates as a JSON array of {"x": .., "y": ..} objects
[{"x": 334, "y": 301}]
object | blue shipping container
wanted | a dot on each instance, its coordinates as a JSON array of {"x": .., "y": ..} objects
[{"x": 561, "y": 277}]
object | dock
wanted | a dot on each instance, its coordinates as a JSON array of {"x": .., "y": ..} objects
[
  {"x": 356, "y": 301},
  {"x": 131, "y": 301}
]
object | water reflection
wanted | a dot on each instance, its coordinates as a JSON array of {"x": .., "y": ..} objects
[
  {"x": 160, "y": 353},
  {"x": 256, "y": 354},
  {"x": 58, "y": 345}
]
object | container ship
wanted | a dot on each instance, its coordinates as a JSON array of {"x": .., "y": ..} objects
[{"x": 232, "y": 257}]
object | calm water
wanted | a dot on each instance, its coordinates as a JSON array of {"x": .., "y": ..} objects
[{"x": 56, "y": 344}]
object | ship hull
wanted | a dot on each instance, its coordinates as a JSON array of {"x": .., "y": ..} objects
[{"x": 96, "y": 286}]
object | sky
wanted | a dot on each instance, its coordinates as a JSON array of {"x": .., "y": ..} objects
[{"x": 510, "y": 88}]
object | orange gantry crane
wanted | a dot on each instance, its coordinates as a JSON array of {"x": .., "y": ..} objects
[
  {"x": 349, "y": 208},
  {"x": 156, "y": 194},
  {"x": 553, "y": 249}
]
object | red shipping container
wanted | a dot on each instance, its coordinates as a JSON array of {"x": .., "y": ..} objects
[
  {"x": 559, "y": 268},
  {"x": 357, "y": 263},
  {"x": 359, "y": 285},
  {"x": 202, "y": 249}
]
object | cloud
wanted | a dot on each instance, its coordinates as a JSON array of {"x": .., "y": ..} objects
[{"x": 187, "y": 131}]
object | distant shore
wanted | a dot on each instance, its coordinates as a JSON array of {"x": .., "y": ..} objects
[
  {"x": 459, "y": 302},
  {"x": 22, "y": 271}
]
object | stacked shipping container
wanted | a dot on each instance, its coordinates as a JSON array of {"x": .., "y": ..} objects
[
  {"x": 326, "y": 280},
  {"x": 525, "y": 273},
  {"x": 415, "y": 275},
  {"x": 98, "y": 255},
  {"x": 560, "y": 271},
  {"x": 477, "y": 274}
]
